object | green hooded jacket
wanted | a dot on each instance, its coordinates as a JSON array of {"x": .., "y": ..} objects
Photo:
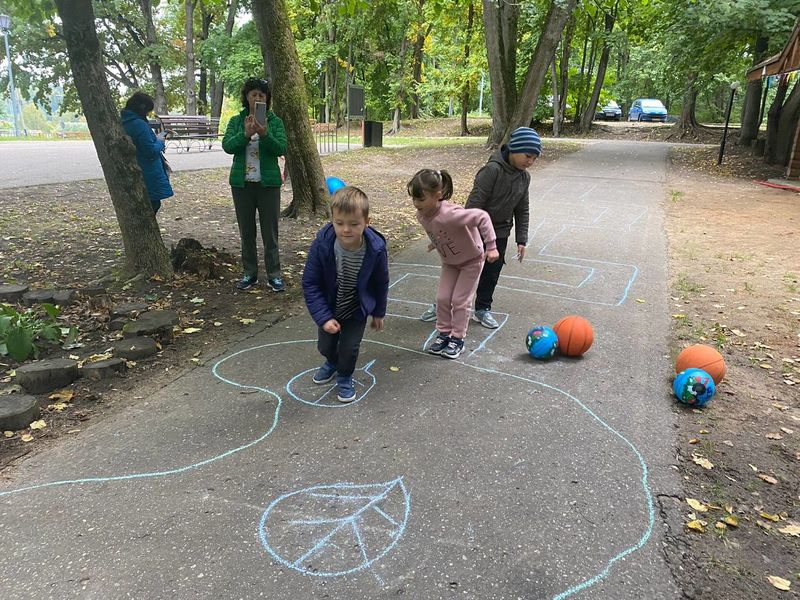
[{"x": 270, "y": 147}]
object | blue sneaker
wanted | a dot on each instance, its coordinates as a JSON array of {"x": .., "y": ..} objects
[
  {"x": 347, "y": 393},
  {"x": 485, "y": 318},
  {"x": 325, "y": 373},
  {"x": 247, "y": 282},
  {"x": 276, "y": 283},
  {"x": 439, "y": 344}
]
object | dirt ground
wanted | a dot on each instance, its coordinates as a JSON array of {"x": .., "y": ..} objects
[
  {"x": 735, "y": 285},
  {"x": 734, "y": 271}
]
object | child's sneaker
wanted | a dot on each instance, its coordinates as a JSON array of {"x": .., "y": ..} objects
[
  {"x": 325, "y": 373},
  {"x": 485, "y": 318},
  {"x": 429, "y": 314},
  {"x": 276, "y": 284},
  {"x": 347, "y": 393},
  {"x": 439, "y": 344},
  {"x": 454, "y": 348}
]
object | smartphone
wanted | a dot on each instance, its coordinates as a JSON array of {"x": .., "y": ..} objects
[{"x": 261, "y": 113}]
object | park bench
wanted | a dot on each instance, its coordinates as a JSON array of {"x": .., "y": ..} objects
[{"x": 188, "y": 129}]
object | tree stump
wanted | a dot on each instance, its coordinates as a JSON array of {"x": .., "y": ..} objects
[
  {"x": 135, "y": 348},
  {"x": 17, "y": 411},
  {"x": 190, "y": 256},
  {"x": 103, "y": 369},
  {"x": 47, "y": 375}
]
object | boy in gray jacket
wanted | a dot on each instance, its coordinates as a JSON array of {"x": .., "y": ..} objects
[{"x": 501, "y": 189}]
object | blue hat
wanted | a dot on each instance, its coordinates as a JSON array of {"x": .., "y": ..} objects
[{"x": 526, "y": 141}]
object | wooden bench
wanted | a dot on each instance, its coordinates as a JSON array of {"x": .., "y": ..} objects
[{"x": 188, "y": 129}]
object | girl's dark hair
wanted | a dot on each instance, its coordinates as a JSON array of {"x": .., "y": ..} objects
[
  {"x": 430, "y": 180},
  {"x": 254, "y": 83},
  {"x": 140, "y": 103}
]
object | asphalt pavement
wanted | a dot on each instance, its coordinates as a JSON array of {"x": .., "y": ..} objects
[{"x": 491, "y": 477}]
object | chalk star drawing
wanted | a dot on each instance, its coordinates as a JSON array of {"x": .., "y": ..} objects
[
  {"x": 337, "y": 529},
  {"x": 303, "y": 389}
]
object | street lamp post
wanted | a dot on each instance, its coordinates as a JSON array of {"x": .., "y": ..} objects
[
  {"x": 5, "y": 27},
  {"x": 734, "y": 87}
]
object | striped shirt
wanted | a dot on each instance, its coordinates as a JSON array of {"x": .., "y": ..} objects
[{"x": 348, "y": 265}]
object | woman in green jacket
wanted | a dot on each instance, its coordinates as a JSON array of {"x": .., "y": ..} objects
[{"x": 256, "y": 181}]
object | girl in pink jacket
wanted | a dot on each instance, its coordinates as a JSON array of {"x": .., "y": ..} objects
[{"x": 464, "y": 237}]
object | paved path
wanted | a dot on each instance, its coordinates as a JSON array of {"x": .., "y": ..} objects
[
  {"x": 491, "y": 477},
  {"x": 35, "y": 163}
]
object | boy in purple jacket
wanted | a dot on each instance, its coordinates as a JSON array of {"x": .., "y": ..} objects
[{"x": 346, "y": 280}]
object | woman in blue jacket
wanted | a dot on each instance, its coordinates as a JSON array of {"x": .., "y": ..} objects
[{"x": 149, "y": 147}]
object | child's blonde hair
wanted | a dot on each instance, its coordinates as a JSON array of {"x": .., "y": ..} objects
[{"x": 349, "y": 200}]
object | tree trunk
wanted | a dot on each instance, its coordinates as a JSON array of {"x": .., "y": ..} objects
[
  {"x": 566, "y": 44},
  {"x": 202, "y": 99},
  {"x": 773, "y": 119},
  {"x": 687, "y": 123},
  {"x": 218, "y": 90},
  {"x": 309, "y": 194},
  {"x": 191, "y": 94},
  {"x": 160, "y": 96},
  {"x": 416, "y": 68},
  {"x": 465, "y": 89},
  {"x": 588, "y": 113},
  {"x": 560, "y": 11},
  {"x": 500, "y": 24},
  {"x": 141, "y": 238},
  {"x": 787, "y": 123},
  {"x": 752, "y": 98},
  {"x": 401, "y": 93},
  {"x": 556, "y": 100},
  {"x": 584, "y": 55}
]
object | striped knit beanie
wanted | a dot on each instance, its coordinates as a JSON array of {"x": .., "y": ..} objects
[{"x": 526, "y": 141}]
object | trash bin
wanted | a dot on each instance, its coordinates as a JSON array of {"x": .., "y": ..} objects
[{"x": 372, "y": 134}]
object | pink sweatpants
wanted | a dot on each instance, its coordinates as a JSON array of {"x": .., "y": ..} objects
[{"x": 457, "y": 286}]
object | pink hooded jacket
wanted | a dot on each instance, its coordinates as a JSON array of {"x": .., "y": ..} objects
[{"x": 459, "y": 234}]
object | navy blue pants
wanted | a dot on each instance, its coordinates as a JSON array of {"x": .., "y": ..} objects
[{"x": 341, "y": 349}]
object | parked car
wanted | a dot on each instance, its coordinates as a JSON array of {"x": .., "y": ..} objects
[
  {"x": 610, "y": 111},
  {"x": 647, "y": 109}
]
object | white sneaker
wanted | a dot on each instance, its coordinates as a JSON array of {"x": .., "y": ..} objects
[
  {"x": 485, "y": 318},
  {"x": 429, "y": 314}
]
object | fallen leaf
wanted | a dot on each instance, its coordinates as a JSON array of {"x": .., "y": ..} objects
[
  {"x": 694, "y": 441},
  {"x": 196, "y": 361},
  {"x": 721, "y": 526},
  {"x": 697, "y": 525},
  {"x": 197, "y": 300},
  {"x": 792, "y": 529},
  {"x": 787, "y": 431},
  {"x": 765, "y": 366},
  {"x": 27, "y": 437},
  {"x": 755, "y": 468},
  {"x": 247, "y": 321},
  {"x": 768, "y": 478},
  {"x": 731, "y": 520},
  {"x": 704, "y": 431},
  {"x": 99, "y": 357},
  {"x": 641, "y": 300},
  {"x": 764, "y": 525},
  {"x": 62, "y": 395},
  {"x": 703, "y": 462},
  {"x": 771, "y": 517},
  {"x": 696, "y": 505},
  {"x": 774, "y": 436},
  {"x": 74, "y": 431},
  {"x": 737, "y": 333},
  {"x": 40, "y": 424},
  {"x": 394, "y": 369},
  {"x": 728, "y": 443},
  {"x": 8, "y": 433},
  {"x": 74, "y": 357},
  {"x": 192, "y": 330},
  {"x": 217, "y": 324},
  {"x": 679, "y": 316},
  {"x": 779, "y": 582},
  {"x": 58, "y": 406}
]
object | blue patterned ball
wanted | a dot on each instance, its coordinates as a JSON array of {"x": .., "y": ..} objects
[
  {"x": 542, "y": 342},
  {"x": 694, "y": 387}
]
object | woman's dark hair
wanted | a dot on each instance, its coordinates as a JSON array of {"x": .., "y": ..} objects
[
  {"x": 140, "y": 103},
  {"x": 254, "y": 83},
  {"x": 430, "y": 180}
]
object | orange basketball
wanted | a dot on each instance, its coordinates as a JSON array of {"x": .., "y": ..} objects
[
  {"x": 703, "y": 357},
  {"x": 575, "y": 335}
]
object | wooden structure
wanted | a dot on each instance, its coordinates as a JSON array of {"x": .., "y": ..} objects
[
  {"x": 187, "y": 129},
  {"x": 786, "y": 61}
]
